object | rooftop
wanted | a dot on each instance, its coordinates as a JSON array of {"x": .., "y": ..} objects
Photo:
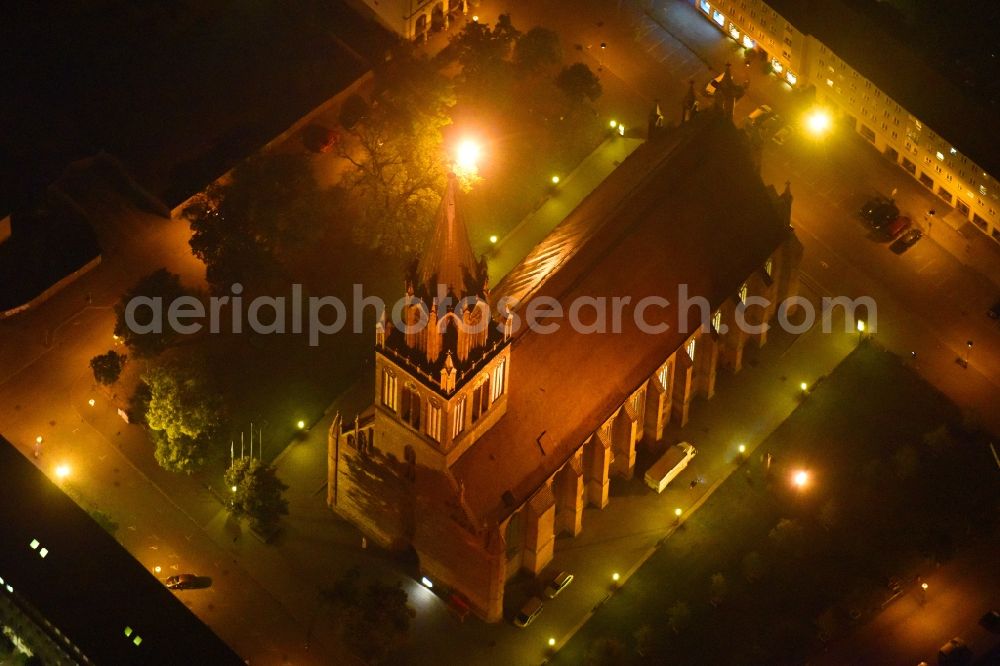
[
  {"x": 915, "y": 60},
  {"x": 699, "y": 215},
  {"x": 87, "y": 586}
]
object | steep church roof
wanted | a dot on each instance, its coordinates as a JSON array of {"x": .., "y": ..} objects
[
  {"x": 689, "y": 210},
  {"x": 447, "y": 258}
]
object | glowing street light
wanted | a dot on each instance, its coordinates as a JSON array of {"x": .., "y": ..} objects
[
  {"x": 804, "y": 386},
  {"x": 613, "y": 124},
  {"x": 494, "y": 239},
  {"x": 233, "y": 488},
  {"x": 157, "y": 569},
  {"x": 555, "y": 180},
  {"x": 861, "y": 326},
  {"x": 552, "y": 642},
  {"x": 62, "y": 471},
  {"x": 818, "y": 122},
  {"x": 91, "y": 402},
  {"x": 426, "y": 582},
  {"x": 800, "y": 479},
  {"x": 301, "y": 424},
  {"x": 615, "y": 576},
  {"x": 742, "y": 449},
  {"x": 621, "y": 129},
  {"x": 467, "y": 156},
  {"x": 38, "y": 440}
]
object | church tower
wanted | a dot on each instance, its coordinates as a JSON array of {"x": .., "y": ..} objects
[{"x": 443, "y": 358}]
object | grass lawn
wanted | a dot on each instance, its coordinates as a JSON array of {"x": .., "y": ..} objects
[{"x": 884, "y": 499}]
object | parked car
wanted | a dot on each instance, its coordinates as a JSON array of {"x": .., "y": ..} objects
[
  {"x": 898, "y": 226},
  {"x": 906, "y": 241},
  {"x": 954, "y": 653},
  {"x": 781, "y": 135},
  {"x": 558, "y": 584},
  {"x": 529, "y": 611},
  {"x": 884, "y": 214},
  {"x": 871, "y": 206},
  {"x": 760, "y": 114},
  {"x": 994, "y": 312},
  {"x": 714, "y": 84},
  {"x": 990, "y": 621},
  {"x": 182, "y": 582}
]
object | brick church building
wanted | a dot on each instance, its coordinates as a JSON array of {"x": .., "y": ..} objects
[{"x": 483, "y": 443}]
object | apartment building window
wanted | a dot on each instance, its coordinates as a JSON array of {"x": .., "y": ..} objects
[
  {"x": 894, "y": 136},
  {"x": 944, "y": 194},
  {"x": 982, "y": 190},
  {"x": 962, "y": 207},
  {"x": 480, "y": 399},
  {"x": 705, "y": 7},
  {"x": 788, "y": 41},
  {"x": 884, "y": 127},
  {"x": 947, "y": 177},
  {"x": 926, "y": 181},
  {"x": 867, "y": 132},
  {"x": 980, "y": 222},
  {"x": 937, "y": 168},
  {"x": 927, "y": 160},
  {"x": 389, "y": 385},
  {"x": 895, "y": 121}
]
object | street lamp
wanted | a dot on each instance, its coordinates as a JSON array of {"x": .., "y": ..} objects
[
  {"x": 301, "y": 424},
  {"x": 800, "y": 479},
  {"x": 677, "y": 516},
  {"x": 91, "y": 402},
  {"x": 552, "y": 642},
  {"x": 613, "y": 124},
  {"x": 467, "y": 156},
  {"x": 555, "y": 180},
  {"x": 818, "y": 122},
  {"x": 615, "y": 577},
  {"x": 62, "y": 471},
  {"x": 494, "y": 239},
  {"x": 861, "y": 326}
]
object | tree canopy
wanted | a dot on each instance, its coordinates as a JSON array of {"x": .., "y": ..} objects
[
  {"x": 185, "y": 414},
  {"x": 399, "y": 172},
  {"x": 258, "y": 493},
  {"x": 578, "y": 83},
  {"x": 536, "y": 49},
  {"x": 160, "y": 284},
  {"x": 108, "y": 367},
  {"x": 244, "y": 228},
  {"x": 375, "y": 618}
]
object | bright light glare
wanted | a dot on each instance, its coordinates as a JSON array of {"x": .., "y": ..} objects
[
  {"x": 91, "y": 402},
  {"x": 804, "y": 386},
  {"x": 615, "y": 576},
  {"x": 493, "y": 238},
  {"x": 555, "y": 180},
  {"x": 678, "y": 512},
  {"x": 621, "y": 130},
  {"x": 426, "y": 582},
  {"x": 818, "y": 122},
  {"x": 62, "y": 471},
  {"x": 467, "y": 155},
  {"x": 613, "y": 124},
  {"x": 301, "y": 425},
  {"x": 38, "y": 440},
  {"x": 923, "y": 586},
  {"x": 743, "y": 448},
  {"x": 233, "y": 488},
  {"x": 157, "y": 569},
  {"x": 800, "y": 479},
  {"x": 861, "y": 326},
  {"x": 552, "y": 642}
]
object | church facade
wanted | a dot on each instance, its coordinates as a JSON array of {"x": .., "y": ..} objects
[{"x": 486, "y": 439}]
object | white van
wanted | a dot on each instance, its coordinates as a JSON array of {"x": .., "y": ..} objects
[{"x": 670, "y": 464}]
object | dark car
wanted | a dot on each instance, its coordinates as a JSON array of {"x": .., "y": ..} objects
[
  {"x": 994, "y": 312},
  {"x": 991, "y": 621},
  {"x": 906, "y": 241},
  {"x": 868, "y": 209},
  {"x": 182, "y": 582},
  {"x": 898, "y": 226},
  {"x": 883, "y": 214}
]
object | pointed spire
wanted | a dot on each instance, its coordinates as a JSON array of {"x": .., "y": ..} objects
[{"x": 448, "y": 255}]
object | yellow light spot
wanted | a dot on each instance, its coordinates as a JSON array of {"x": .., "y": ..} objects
[
  {"x": 62, "y": 471},
  {"x": 613, "y": 124},
  {"x": 467, "y": 155},
  {"x": 743, "y": 448},
  {"x": 804, "y": 386},
  {"x": 818, "y": 122},
  {"x": 615, "y": 576},
  {"x": 301, "y": 425},
  {"x": 493, "y": 238},
  {"x": 800, "y": 478},
  {"x": 555, "y": 180},
  {"x": 861, "y": 326},
  {"x": 552, "y": 642},
  {"x": 678, "y": 512}
]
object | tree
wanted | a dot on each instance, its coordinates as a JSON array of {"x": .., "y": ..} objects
[
  {"x": 374, "y": 619},
  {"x": 578, "y": 83},
  {"x": 643, "y": 640},
  {"x": 244, "y": 228},
  {"x": 108, "y": 367},
  {"x": 163, "y": 287},
  {"x": 536, "y": 49},
  {"x": 483, "y": 51},
  {"x": 605, "y": 652},
  {"x": 399, "y": 173},
  {"x": 258, "y": 493},
  {"x": 184, "y": 413},
  {"x": 753, "y": 566},
  {"x": 678, "y": 616},
  {"x": 718, "y": 588}
]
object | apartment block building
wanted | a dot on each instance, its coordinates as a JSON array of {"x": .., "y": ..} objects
[{"x": 891, "y": 93}]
